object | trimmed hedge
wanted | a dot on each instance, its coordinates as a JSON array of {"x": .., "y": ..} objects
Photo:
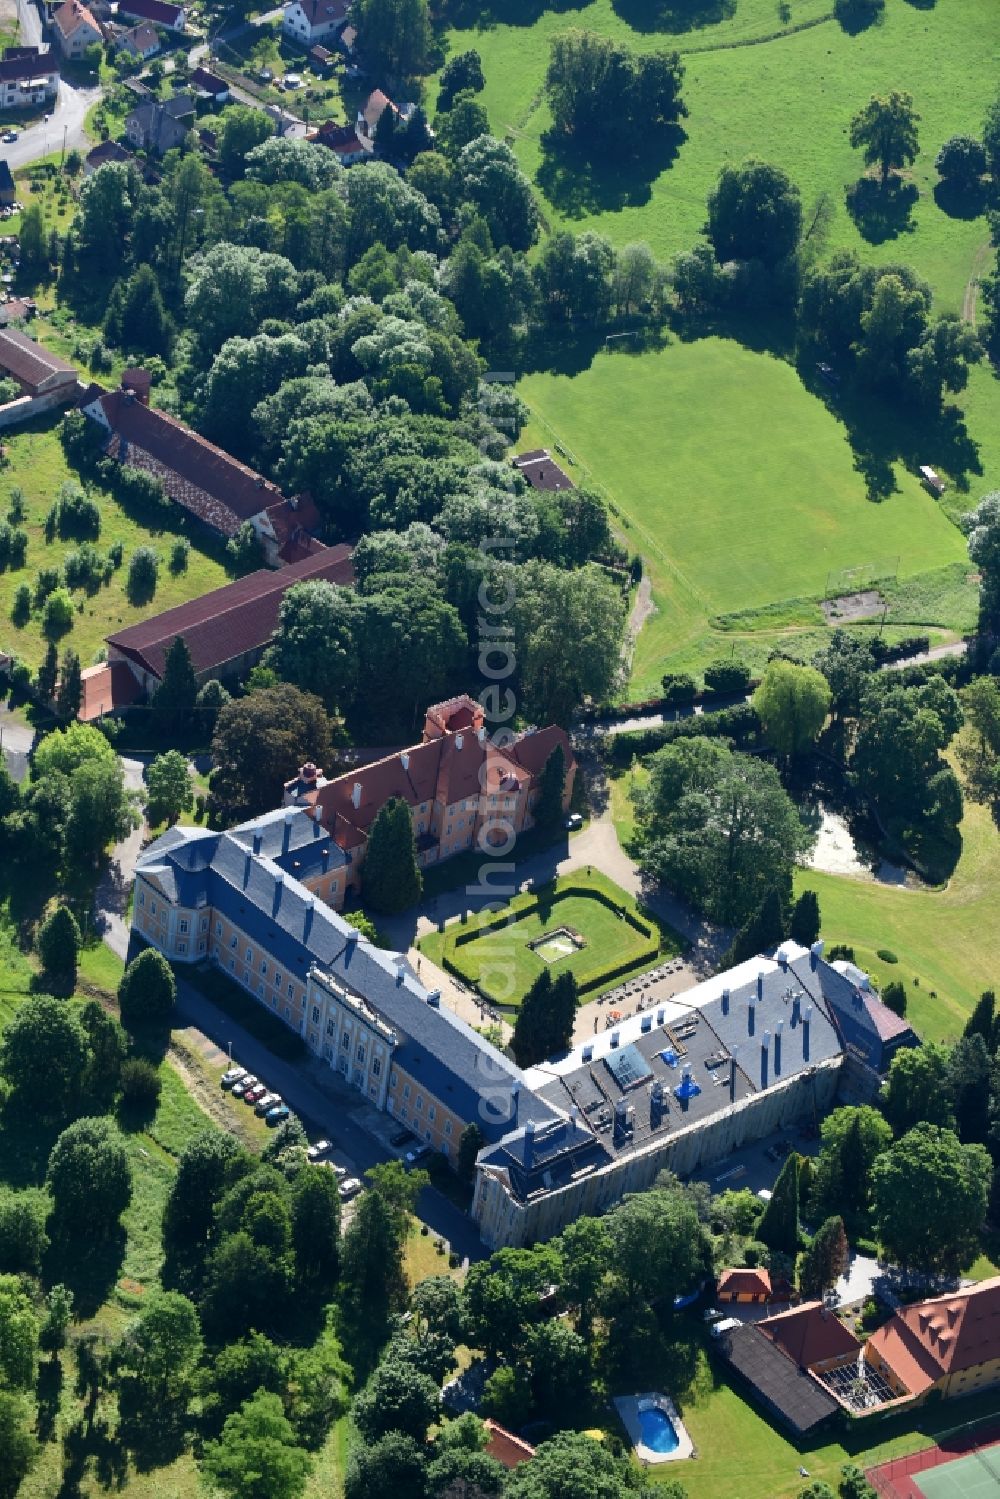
[
  {"x": 589, "y": 979},
  {"x": 739, "y": 723}
]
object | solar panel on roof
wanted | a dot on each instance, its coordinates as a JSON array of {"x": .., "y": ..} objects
[{"x": 628, "y": 1067}]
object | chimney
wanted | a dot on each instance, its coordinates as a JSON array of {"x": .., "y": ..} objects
[
  {"x": 325, "y": 857},
  {"x": 782, "y": 957},
  {"x": 434, "y": 999},
  {"x": 656, "y": 1105},
  {"x": 621, "y": 1121},
  {"x": 725, "y": 1001},
  {"x": 766, "y": 1041},
  {"x": 574, "y": 1122},
  {"x": 815, "y": 953},
  {"x": 732, "y": 1073},
  {"x": 615, "y": 1038},
  {"x": 805, "y": 1032},
  {"x": 356, "y": 795},
  {"x": 481, "y": 735},
  {"x": 661, "y": 1016},
  {"x": 279, "y": 884},
  {"x": 317, "y": 827},
  {"x": 760, "y": 986},
  {"x": 310, "y": 913},
  {"x": 400, "y": 974},
  {"x": 404, "y": 760},
  {"x": 257, "y": 840},
  {"x": 247, "y": 866},
  {"x": 764, "y": 1058},
  {"x": 459, "y": 741},
  {"x": 751, "y": 1014},
  {"x": 529, "y": 1144},
  {"x": 352, "y": 936},
  {"x": 646, "y": 1024},
  {"x": 588, "y": 1052},
  {"x": 777, "y": 1047},
  {"x": 286, "y": 836}
]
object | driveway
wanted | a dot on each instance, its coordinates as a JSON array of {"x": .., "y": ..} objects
[
  {"x": 63, "y": 129},
  {"x": 112, "y": 893},
  {"x": 326, "y": 1107},
  {"x": 16, "y": 740}
]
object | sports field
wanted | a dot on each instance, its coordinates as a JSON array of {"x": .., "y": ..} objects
[{"x": 735, "y": 482}]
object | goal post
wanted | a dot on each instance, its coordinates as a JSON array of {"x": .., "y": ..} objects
[{"x": 862, "y": 576}]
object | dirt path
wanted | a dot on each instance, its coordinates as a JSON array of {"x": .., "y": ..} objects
[
  {"x": 971, "y": 297},
  {"x": 204, "y": 1092}
]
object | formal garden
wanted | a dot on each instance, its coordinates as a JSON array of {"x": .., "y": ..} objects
[{"x": 582, "y": 923}]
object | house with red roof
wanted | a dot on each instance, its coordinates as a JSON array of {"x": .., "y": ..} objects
[
  {"x": 312, "y": 21},
  {"x": 157, "y": 12},
  {"x": 343, "y": 140},
  {"x": 462, "y": 790},
  {"x": 950, "y": 1344},
  {"x": 747, "y": 1286},
  {"x": 507, "y": 1448},
  {"x": 74, "y": 29}
]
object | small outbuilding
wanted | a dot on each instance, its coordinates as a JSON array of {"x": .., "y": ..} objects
[{"x": 932, "y": 480}]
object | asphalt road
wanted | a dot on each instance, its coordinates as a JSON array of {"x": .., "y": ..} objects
[
  {"x": 64, "y": 125},
  {"x": 322, "y": 1115}
]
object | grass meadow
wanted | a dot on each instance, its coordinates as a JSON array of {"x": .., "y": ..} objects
[
  {"x": 735, "y": 483},
  {"x": 35, "y": 462}
]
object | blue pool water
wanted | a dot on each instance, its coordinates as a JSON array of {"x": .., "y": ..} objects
[{"x": 657, "y": 1429}]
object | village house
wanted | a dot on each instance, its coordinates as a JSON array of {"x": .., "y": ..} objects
[
  {"x": 342, "y": 140},
  {"x": 226, "y": 632},
  {"x": 156, "y": 127},
  {"x": 210, "y": 484},
  {"x": 311, "y": 21},
  {"x": 206, "y": 85},
  {"x": 75, "y": 29},
  {"x": 542, "y": 471},
  {"x": 46, "y": 382},
  {"x": 142, "y": 41},
  {"x": 462, "y": 791},
  {"x": 28, "y": 77},
  {"x": 156, "y": 12},
  {"x": 372, "y": 111},
  {"x": 745, "y": 1286},
  {"x": 949, "y": 1345}
]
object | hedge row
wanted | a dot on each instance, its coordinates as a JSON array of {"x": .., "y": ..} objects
[
  {"x": 898, "y": 650},
  {"x": 507, "y": 918},
  {"x": 739, "y": 723}
]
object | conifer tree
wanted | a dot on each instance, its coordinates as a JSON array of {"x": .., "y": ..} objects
[
  {"x": 779, "y": 1226},
  {"x": 70, "y": 693},
  {"x": 826, "y": 1258},
  {"x": 175, "y": 696},
  {"x": 392, "y": 880},
  {"x": 804, "y": 926},
  {"x": 761, "y": 932}
]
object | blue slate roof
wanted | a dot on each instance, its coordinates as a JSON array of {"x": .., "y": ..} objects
[
  {"x": 437, "y": 1048},
  {"x": 297, "y": 843}
]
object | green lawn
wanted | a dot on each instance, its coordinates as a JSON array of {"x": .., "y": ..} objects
[
  {"x": 502, "y": 962},
  {"x": 735, "y": 483},
  {"x": 943, "y": 938},
  {"x": 789, "y": 99},
  {"x": 36, "y": 464}
]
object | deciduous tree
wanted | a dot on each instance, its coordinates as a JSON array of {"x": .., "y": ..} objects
[
  {"x": 886, "y": 130},
  {"x": 147, "y": 990},
  {"x": 754, "y": 213},
  {"x": 258, "y": 1456},
  {"x": 169, "y": 791},
  {"x": 259, "y": 742},
  {"x": 59, "y": 947},
  {"x": 89, "y": 1178},
  {"x": 930, "y": 1199},
  {"x": 792, "y": 703}
]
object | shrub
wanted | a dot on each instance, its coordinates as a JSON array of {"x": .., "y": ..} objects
[
  {"x": 679, "y": 689},
  {"x": 179, "y": 555},
  {"x": 840, "y": 950},
  {"x": 47, "y": 580},
  {"x": 886, "y": 955},
  {"x": 13, "y": 546},
  {"x": 74, "y": 515},
  {"x": 727, "y": 676},
  {"x": 58, "y": 616},
  {"x": 143, "y": 568},
  {"x": 140, "y": 1084},
  {"x": 21, "y": 610},
  {"x": 116, "y": 554},
  {"x": 85, "y": 567},
  {"x": 961, "y": 161}
]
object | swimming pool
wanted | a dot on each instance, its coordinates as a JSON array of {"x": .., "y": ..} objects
[{"x": 657, "y": 1430}]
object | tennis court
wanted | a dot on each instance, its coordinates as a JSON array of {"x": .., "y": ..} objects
[
  {"x": 946, "y": 1471},
  {"x": 974, "y": 1477}
]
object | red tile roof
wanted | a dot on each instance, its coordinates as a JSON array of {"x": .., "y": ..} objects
[
  {"x": 809, "y": 1334},
  {"x": 505, "y": 1446},
  {"x": 111, "y": 685},
  {"x": 931, "y": 1339},
  {"x": 230, "y": 621},
  {"x": 744, "y": 1282},
  {"x": 202, "y": 478},
  {"x": 888, "y": 1024},
  {"x": 71, "y": 16},
  {"x": 532, "y": 750},
  {"x": 340, "y": 138}
]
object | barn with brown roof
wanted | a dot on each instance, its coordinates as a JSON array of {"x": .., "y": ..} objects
[
  {"x": 38, "y": 371},
  {"x": 225, "y": 630}
]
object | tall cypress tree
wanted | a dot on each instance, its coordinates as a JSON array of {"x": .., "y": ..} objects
[
  {"x": 779, "y": 1227},
  {"x": 805, "y": 923},
  {"x": 392, "y": 880},
  {"x": 531, "y": 1026},
  {"x": 175, "y": 696},
  {"x": 826, "y": 1258},
  {"x": 983, "y": 1020},
  {"x": 48, "y": 674},
  {"x": 551, "y": 783},
  {"x": 762, "y": 931},
  {"x": 70, "y": 693}
]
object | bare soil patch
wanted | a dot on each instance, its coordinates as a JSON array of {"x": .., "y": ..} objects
[{"x": 849, "y": 607}]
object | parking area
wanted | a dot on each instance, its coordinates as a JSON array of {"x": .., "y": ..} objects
[{"x": 756, "y": 1166}]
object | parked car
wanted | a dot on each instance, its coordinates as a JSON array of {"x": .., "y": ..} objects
[
  {"x": 232, "y": 1076},
  {"x": 277, "y": 1115},
  {"x": 573, "y": 821},
  {"x": 255, "y": 1094},
  {"x": 349, "y": 1188},
  {"x": 269, "y": 1101},
  {"x": 318, "y": 1150},
  {"x": 240, "y": 1088},
  {"x": 417, "y": 1154},
  {"x": 9, "y": 137},
  {"x": 401, "y": 1137}
]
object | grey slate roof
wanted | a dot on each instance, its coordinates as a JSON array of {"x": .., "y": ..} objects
[
  {"x": 279, "y": 914},
  {"x": 793, "y": 1395}
]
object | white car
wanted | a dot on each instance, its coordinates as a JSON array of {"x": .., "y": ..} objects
[
  {"x": 317, "y": 1151},
  {"x": 349, "y": 1188},
  {"x": 232, "y": 1076}
]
